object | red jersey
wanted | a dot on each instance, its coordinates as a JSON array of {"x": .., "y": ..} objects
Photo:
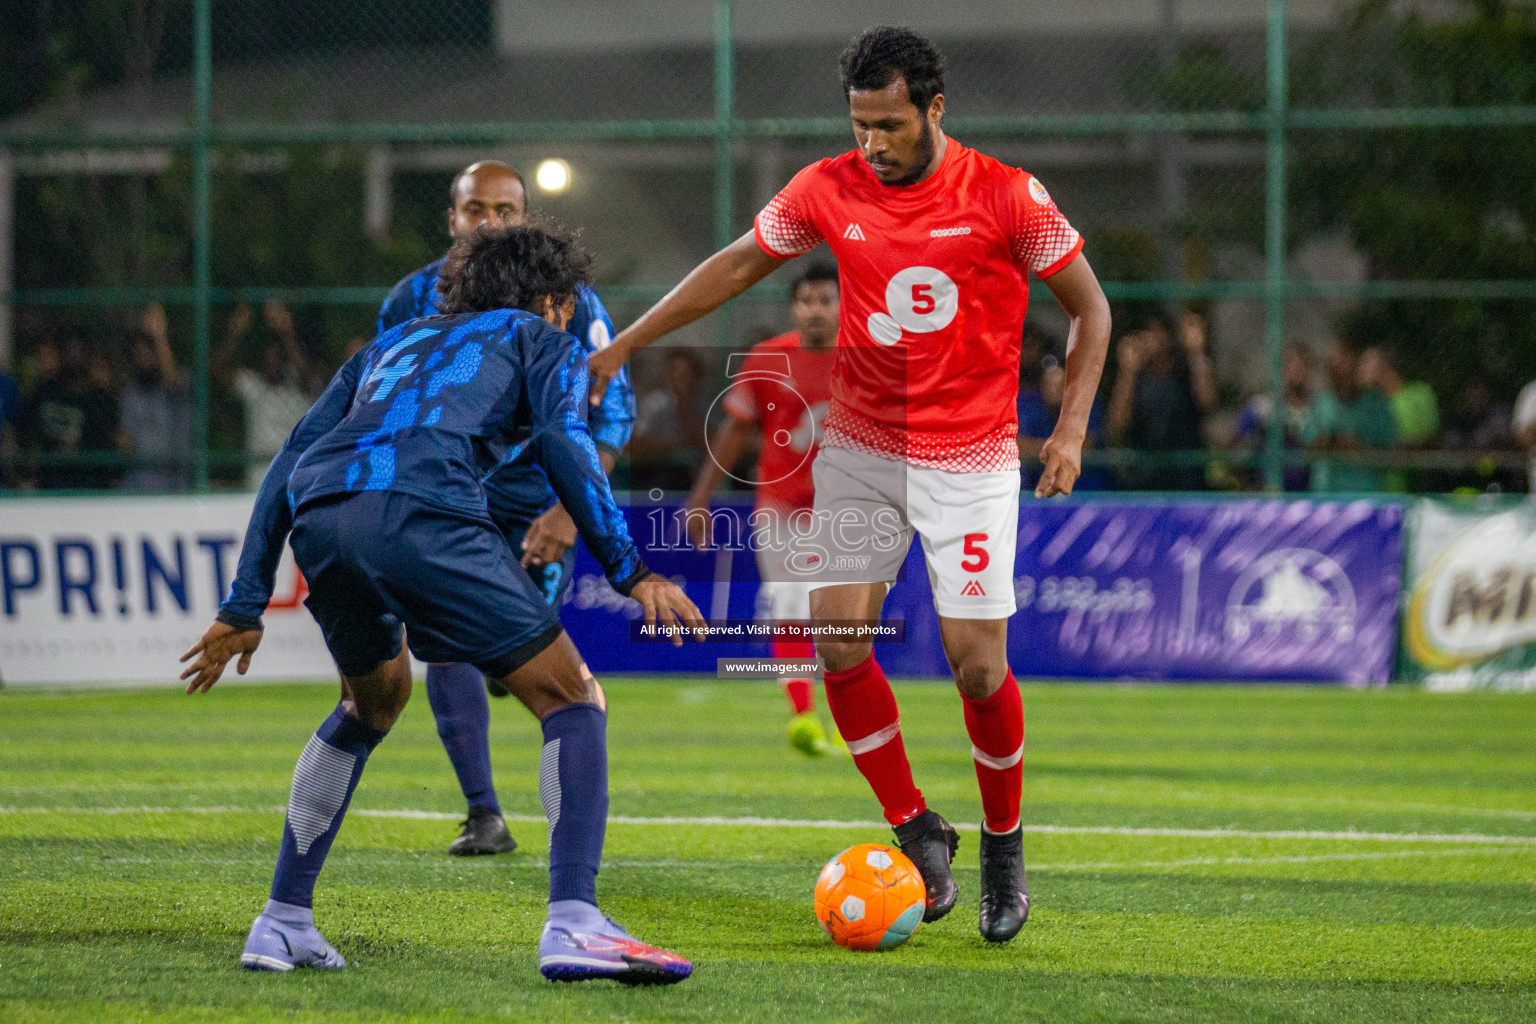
[
  {"x": 933, "y": 282},
  {"x": 784, "y": 388}
]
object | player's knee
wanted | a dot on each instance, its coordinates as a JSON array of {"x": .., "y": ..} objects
[
  {"x": 839, "y": 656},
  {"x": 978, "y": 677}
]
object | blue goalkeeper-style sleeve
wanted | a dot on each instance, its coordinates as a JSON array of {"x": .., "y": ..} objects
[
  {"x": 556, "y": 380},
  {"x": 272, "y": 516},
  {"x": 519, "y": 492},
  {"x": 413, "y": 296},
  {"x": 613, "y": 421}
]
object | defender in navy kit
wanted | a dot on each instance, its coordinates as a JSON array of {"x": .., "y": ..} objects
[{"x": 381, "y": 488}]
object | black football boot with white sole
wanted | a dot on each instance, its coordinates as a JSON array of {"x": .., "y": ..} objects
[
  {"x": 930, "y": 843},
  {"x": 1004, "y": 887},
  {"x": 483, "y": 832}
]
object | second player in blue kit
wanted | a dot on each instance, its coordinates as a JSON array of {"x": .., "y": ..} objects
[
  {"x": 536, "y": 526},
  {"x": 381, "y": 486}
]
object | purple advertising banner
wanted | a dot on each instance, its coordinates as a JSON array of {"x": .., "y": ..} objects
[
  {"x": 1208, "y": 590},
  {"x": 1107, "y": 589}
]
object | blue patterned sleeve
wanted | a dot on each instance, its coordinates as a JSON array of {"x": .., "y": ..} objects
[
  {"x": 272, "y": 517},
  {"x": 397, "y": 307},
  {"x": 556, "y": 381},
  {"x": 613, "y": 421}
]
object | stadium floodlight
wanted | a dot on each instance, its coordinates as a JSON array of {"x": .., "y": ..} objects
[{"x": 553, "y": 175}]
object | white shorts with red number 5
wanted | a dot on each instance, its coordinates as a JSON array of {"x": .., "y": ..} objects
[
  {"x": 867, "y": 509},
  {"x": 969, "y": 524}
]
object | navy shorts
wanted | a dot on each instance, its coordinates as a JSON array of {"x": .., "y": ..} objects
[
  {"x": 552, "y": 580},
  {"x": 376, "y": 559}
]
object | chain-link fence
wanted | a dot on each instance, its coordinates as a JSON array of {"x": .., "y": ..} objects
[{"x": 1337, "y": 178}]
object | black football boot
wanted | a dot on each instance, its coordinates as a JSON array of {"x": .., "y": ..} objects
[
  {"x": 930, "y": 842},
  {"x": 483, "y": 831},
  {"x": 1004, "y": 889}
]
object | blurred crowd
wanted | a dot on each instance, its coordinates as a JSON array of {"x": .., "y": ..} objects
[
  {"x": 114, "y": 409},
  {"x": 87, "y": 414}
]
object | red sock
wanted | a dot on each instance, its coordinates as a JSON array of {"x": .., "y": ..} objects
[
  {"x": 801, "y": 692},
  {"x": 864, "y": 709},
  {"x": 996, "y": 726}
]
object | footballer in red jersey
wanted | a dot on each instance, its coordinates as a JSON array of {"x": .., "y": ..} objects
[
  {"x": 935, "y": 243},
  {"x": 778, "y": 396}
]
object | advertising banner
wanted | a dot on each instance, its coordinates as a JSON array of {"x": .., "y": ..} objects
[
  {"x": 1469, "y": 619},
  {"x": 97, "y": 590},
  {"x": 1217, "y": 590},
  {"x": 114, "y": 589},
  {"x": 1221, "y": 590}
]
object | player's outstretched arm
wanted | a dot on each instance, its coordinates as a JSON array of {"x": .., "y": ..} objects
[
  {"x": 271, "y": 517},
  {"x": 214, "y": 651},
  {"x": 725, "y": 450},
  {"x": 1078, "y": 291},
  {"x": 709, "y": 286}
]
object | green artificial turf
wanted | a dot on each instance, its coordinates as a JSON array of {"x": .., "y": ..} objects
[{"x": 117, "y": 903}]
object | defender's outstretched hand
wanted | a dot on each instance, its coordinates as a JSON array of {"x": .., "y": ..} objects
[
  {"x": 665, "y": 602},
  {"x": 1063, "y": 464},
  {"x": 221, "y": 643}
]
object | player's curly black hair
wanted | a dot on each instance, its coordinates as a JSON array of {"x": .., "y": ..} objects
[
  {"x": 512, "y": 267},
  {"x": 877, "y": 57}
]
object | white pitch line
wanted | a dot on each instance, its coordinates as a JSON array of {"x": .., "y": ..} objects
[
  {"x": 840, "y": 825},
  {"x": 1210, "y": 861}
]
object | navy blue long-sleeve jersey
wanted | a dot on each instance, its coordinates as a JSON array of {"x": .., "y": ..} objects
[
  {"x": 432, "y": 408},
  {"x": 520, "y": 490}
]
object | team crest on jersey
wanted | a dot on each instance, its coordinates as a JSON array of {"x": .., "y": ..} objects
[
  {"x": 1037, "y": 191},
  {"x": 854, "y": 232}
]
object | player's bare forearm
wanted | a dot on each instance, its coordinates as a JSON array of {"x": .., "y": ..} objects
[
  {"x": 725, "y": 450},
  {"x": 709, "y": 286},
  {"x": 1078, "y": 291}
]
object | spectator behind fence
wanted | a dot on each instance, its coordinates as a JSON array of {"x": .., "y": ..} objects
[
  {"x": 71, "y": 414},
  {"x": 1041, "y": 384},
  {"x": 670, "y": 426},
  {"x": 1525, "y": 430},
  {"x": 10, "y": 426},
  {"x": 156, "y": 416},
  {"x": 1415, "y": 407},
  {"x": 1477, "y": 422},
  {"x": 1347, "y": 418},
  {"x": 1252, "y": 429},
  {"x": 1161, "y": 397},
  {"x": 274, "y": 396}
]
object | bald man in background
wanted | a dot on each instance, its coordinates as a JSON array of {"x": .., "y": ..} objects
[{"x": 521, "y": 502}]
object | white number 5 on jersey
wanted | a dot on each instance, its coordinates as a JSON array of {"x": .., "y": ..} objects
[{"x": 918, "y": 299}]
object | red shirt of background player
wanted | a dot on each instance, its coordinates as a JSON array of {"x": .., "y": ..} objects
[
  {"x": 784, "y": 389},
  {"x": 933, "y": 288}
]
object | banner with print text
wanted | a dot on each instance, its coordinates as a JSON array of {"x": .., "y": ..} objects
[{"x": 109, "y": 590}]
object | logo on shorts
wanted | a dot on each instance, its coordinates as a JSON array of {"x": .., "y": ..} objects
[
  {"x": 854, "y": 232},
  {"x": 972, "y": 589}
]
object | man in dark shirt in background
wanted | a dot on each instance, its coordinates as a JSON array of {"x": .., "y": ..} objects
[
  {"x": 1161, "y": 397},
  {"x": 71, "y": 415}
]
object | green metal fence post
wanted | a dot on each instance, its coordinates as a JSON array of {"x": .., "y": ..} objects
[
  {"x": 725, "y": 150},
  {"x": 202, "y": 278},
  {"x": 1274, "y": 247}
]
